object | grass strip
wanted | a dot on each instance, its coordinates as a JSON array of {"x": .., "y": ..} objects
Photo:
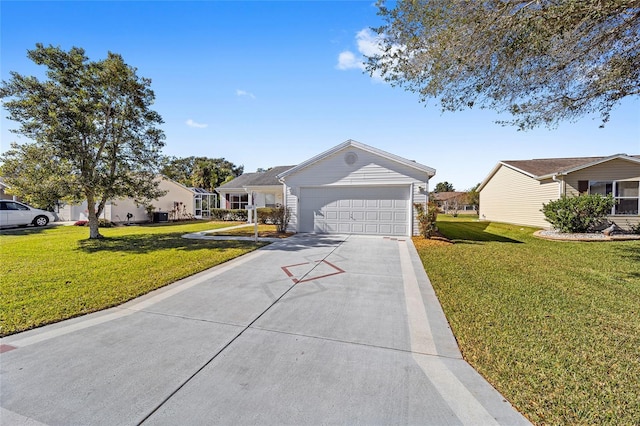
[
  {"x": 51, "y": 274},
  {"x": 554, "y": 326}
]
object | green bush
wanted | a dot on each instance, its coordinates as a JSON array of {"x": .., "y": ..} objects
[
  {"x": 239, "y": 215},
  {"x": 102, "y": 223},
  {"x": 267, "y": 215},
  {"x": 582, "y": 213},
  {"x": 427, "y": 218},
  {"x": 278, "y": 216}
]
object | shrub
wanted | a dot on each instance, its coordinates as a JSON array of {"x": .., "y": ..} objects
[
  {"x": 267, "y": 215},
  {"x": 102, "y": 223},
  {"x": 578, "y": 214},
  {"x": 229, "y": 214},
  {"x": 278, "y": 216},
  {"x": 427, "y": 218}
]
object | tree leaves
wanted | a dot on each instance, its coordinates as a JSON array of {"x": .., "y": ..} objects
[
  {"x": 95, "y": 118},
  {"x": 540, "y": 61}
]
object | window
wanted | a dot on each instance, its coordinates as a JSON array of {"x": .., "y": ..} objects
[
  {"x": 238, "y": 201},
  {"x": 10, "y": 205},
  {"x": 269, "y": 200},
  {"x": 625, "y": 193}
]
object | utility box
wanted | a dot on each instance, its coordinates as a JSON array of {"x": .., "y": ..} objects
[{"x": 159, "y": 217}]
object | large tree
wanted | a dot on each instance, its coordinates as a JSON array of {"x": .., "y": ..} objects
[
  {"x": 200, "y": 172},
  {"x": 542, "y": 61},
  {"x": 36, "y": 175},
  {"x": 444, "y": 187},
  {"x": 94, "y": 122}
]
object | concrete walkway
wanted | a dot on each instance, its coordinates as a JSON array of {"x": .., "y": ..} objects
[{"x": 308, "y": 330}]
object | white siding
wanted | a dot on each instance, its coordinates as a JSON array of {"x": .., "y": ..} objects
[
  {"x": 514, "y": 197},
  {"x": 368, "y": 170}
]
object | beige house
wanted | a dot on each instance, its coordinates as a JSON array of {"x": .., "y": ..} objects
[
  {"x": 514, "y": 191},
  {"x": 179, "y": 202}
]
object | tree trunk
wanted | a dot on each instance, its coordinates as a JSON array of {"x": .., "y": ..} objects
[{"x": 94, "y": 231}]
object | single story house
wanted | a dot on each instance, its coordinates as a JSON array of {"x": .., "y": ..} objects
[
  {"x": 453, "y": 201},
  {"x": 514, "y": 191},
  {"x": 352, "y": 188},
  {"x": 262, "y": 189},
  {"x": 179, "y": 202}
]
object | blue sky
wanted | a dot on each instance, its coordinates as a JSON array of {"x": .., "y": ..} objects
[{"x": 265, "y": 83}]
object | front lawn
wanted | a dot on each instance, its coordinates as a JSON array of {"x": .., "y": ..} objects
[
  {"x": 554, "y": 326},
  {"x": 50, "y": 274}
]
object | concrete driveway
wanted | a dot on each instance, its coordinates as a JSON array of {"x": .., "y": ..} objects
[{"x": 309, "y": 330}]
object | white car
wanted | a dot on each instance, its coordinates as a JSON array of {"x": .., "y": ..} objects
[{"x": 14, "y": 213}]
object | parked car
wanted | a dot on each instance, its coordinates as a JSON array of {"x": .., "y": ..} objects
[{"x": 14, "y": 213}]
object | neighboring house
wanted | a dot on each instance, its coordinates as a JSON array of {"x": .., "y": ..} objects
[
  {"x": 354, "y": 188},
  {"x": 3, "y": 192},
  {"x": 262, "y": 189},
  {"x": 453, "y": 201},
  {"x": 514, "y": 191},
  {"x": 179, "y": 202}
]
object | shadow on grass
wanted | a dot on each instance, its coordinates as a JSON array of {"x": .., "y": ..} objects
[
  {"x": 28, "y": 230},
  {"x": 147, "y": 243},
  {"x": 631, "y": 250},
  {"x": 471, "y": 232}
]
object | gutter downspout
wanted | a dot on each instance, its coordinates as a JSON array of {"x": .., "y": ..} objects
[{"x": 561, "y": 190}]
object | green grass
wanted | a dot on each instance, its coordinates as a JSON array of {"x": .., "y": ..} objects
[
  {"x": 554, "y": 326},
  {"x": 50, "y": 274}
]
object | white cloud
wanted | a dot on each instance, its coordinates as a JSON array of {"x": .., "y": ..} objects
[
  {"x": 192, "y": 123},
  {"x": 245, "y": 93},
  {"x": 368, "y": 45},
  {"x": 347, "y": 60},
  {"x": 368, "y": 42}
]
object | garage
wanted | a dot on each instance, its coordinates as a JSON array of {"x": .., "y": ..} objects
[
  {"x": 356, "y": 210},
  {"x": 355, "y": 188}
]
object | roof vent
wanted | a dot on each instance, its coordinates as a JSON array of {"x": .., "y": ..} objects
[{"x": 350, "y": 158}]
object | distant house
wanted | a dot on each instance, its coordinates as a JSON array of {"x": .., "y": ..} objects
[
  {"x": 453, "y": 201},
  {"x": 351, "y": 188},
  {"x": 179, "y": 202},
  {"x": 3, "y": 193},
  {"x": 262, "y": 189},
  {"x": 514, "y": 191}
]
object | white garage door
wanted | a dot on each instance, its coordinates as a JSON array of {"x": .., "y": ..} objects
[{"x": 355, "y": 210}]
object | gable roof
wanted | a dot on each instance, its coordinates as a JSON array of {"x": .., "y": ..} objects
[
  {"x": 354, "y": 144},
  {"x": 266, "y": 178},
  {"x": 545, "y": 168}
]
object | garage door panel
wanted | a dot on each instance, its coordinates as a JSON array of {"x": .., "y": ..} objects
[
  {"x": 386, "y": 216},
  {"x": 358, "y": 210},
  {"x": 400, "y": 229}
]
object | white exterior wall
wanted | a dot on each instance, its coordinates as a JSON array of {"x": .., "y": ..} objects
[
  {"x": 513, "y": 197},
  {"x": 369, "y": 170}
]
